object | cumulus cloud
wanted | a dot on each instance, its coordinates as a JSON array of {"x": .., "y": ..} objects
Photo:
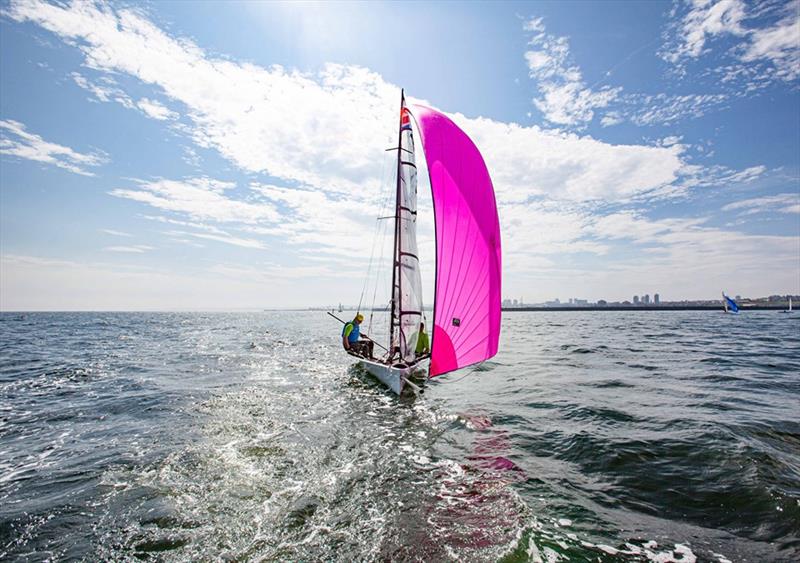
[
  {"x": 16, "y": 141},
  {"x": 529, "y": 161},
  {"x": 564, "y": 97}
]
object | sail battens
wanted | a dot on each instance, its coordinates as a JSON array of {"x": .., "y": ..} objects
[
  {"x": 466, "y": 318},
  {"x": 407, "y": 289}
]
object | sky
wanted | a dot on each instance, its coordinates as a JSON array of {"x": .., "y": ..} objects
[{"x": 204, "y": 155}]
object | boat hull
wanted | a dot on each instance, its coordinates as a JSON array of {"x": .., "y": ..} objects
[{"x": 394, "y": 378}]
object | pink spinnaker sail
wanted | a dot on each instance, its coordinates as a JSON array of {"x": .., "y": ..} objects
[{"x": 466, "y": 311}]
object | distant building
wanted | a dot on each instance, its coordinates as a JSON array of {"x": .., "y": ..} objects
[
  {"x": 580, "y": 302},
  {"x": 646, "y": 299},
  {"x": 738, "y": 297},
  {"x": 602, "y": 303},
  {"x": 656, "y": 299},
  {"x": 635, "y": 299},
  {"x": 515, "y": 303}
]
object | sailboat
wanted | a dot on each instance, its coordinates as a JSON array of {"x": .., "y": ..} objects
[
  {"x": 466, "y": 304},
  {"x": 729, "y": 304},
  {"x": 789, "y": 310}
]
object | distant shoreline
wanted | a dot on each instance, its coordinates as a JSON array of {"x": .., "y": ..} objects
[{"x": 645, "y": 308}]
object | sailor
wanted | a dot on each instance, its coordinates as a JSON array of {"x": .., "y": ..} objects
[
  {"x": 423, "y": 344},
  {"x": 350, "y": 338}
]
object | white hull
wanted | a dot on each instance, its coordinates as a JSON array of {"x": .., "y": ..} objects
[{"x": 393, "y": 377}]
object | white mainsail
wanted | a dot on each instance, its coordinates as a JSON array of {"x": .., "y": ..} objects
[{"x": 407, "y": 291}]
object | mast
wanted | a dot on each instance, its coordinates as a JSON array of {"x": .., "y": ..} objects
[{"x": 396, "y": 250}]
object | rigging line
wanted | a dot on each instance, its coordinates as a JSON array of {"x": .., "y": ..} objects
[
  {"x": 473, "y": 370},
  {"x": 374, "y": 239},
  {"x": 382, "y": 239},
  {"x": 369, "y": 265},
  {"x": 378, "y": 276}
]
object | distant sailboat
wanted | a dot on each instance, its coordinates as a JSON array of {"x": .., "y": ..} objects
[
  {"x": 729, "y": 304},
  {"x": 466, "y": 308},
  {"x": 789, "y": 310}
]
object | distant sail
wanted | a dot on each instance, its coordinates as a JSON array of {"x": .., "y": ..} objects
[
  {"x": 466, "y": 308},
  {"x": 730, "y": 304}
]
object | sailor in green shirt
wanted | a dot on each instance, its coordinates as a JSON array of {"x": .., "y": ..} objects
[{"x": 423, "y": 344}]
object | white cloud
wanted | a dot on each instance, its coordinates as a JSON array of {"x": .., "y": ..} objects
[
  {"x": 200, "y": 198},
  {"x": 329, "y": 131},
  {"x": 612, "y": 118},
  {"x": 35, "y": 283},
  {"x": 781, "y": 203},
  {"x": 696, "y": 259},
  {"x": 703, "y": 177},
  {"x": 155, "y": 109},
  {"x": 16, "y": 141},
  {"x": 208, "y": 232},
  {"x": 218, "y": 237},
  {"x": 766, "y": 38},
  {"x": 136, "y": 249},
  {"x": 564, "y": 98},
  {"x": 529, "y": 161},
  {"x": 105, "y": 92},
  {"x": 325, "y": 130},
  {"x": 670, "y": 140},
  {"x": 112, "y": 232},
  {"x": 778, "y": 44},
  {"x": 666, "y": 109},
  {"x": 323, "y": 223},
  {"x": 325, "y": 134},
  {"x": 705, "y": 19},
  {"x": 687, "y": 258}
]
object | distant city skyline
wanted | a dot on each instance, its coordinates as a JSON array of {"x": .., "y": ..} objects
[
  {"x": 208, "y": 155},
  {"x": 636, "y": 300}
]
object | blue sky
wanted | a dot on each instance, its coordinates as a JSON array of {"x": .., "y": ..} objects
[{"x": 178, "y": 155}]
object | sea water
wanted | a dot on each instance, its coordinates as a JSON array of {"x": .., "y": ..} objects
[{"x": 602, "y": 436}]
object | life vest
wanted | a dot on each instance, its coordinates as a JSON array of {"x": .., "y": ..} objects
[{"x": 354, "y": 333}]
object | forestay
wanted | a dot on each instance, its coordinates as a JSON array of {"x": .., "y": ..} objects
[{"x": 468, "y": 265}]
